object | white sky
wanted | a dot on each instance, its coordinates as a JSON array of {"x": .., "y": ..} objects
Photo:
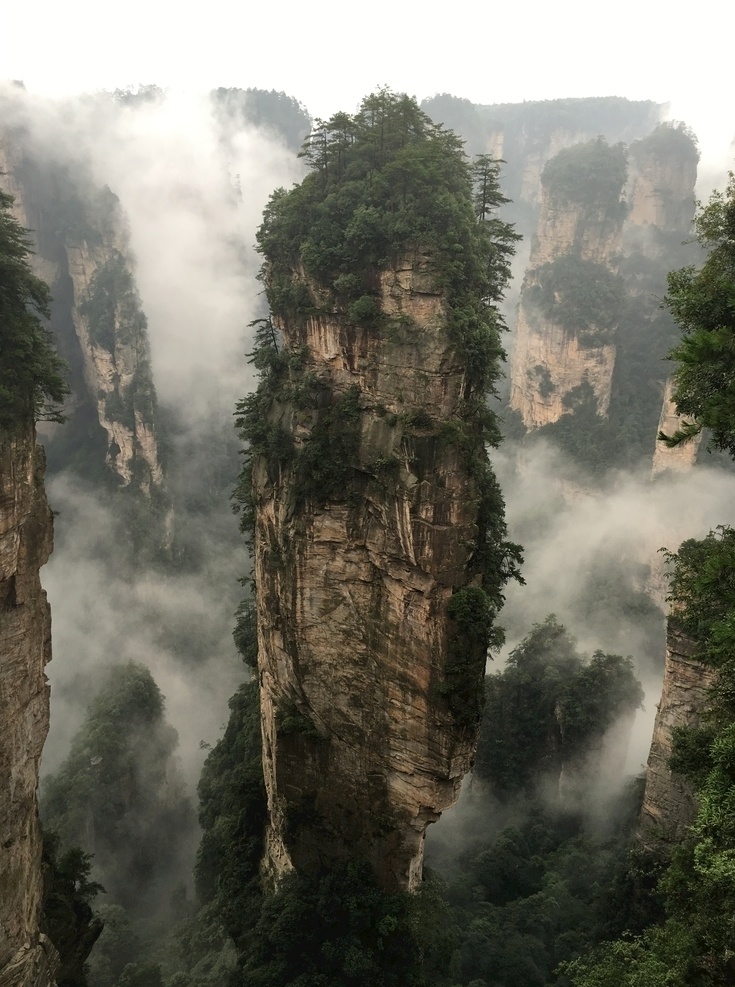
[{"x": 329, "y": 54}]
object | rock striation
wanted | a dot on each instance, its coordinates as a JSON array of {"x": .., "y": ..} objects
[
  {"x": 361, "y": 751},
  {"x": 27, "y": 958},
  {"x": 669, "y": 805}
]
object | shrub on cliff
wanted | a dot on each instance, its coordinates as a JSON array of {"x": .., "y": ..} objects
[
  {"x": 703, "y": 303},
  {"x": 32, "y": 384}
]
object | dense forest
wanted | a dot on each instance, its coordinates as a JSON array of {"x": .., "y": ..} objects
[{"x": 153, "y": 859}]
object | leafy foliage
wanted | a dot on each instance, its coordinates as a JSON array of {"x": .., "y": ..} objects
[
  {"x": 337, "y": 930},
  {"x": 382, "y": 182},
  {"x": 580, "y": 295},
  {"x": 548, "y": 704},
  {"x": 669, "y": 140},
  {"x": 32, "y": 384},
  {"x": 232, "y": 814},
  {"x": 703, "y": 304},
  {"x": 117, "y": 793},
  {"x": 68, "y": 919},
  {"x": 592, "y": 174}
]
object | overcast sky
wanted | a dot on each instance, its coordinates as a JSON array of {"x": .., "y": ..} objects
[{"x": 329, "y": 54}]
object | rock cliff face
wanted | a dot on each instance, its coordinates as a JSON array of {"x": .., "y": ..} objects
[
  {"x": 553, "y": 350},
  {"x": 361, "y": 752},
  {"x": 635, "y": 238},
  {"x": 668, "y": 802},
  {"x": 680, "y": 458},
  {"x": 27, "y": 958},
  {"x": 83, "y": 255}
]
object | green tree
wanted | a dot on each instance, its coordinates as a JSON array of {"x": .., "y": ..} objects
[
  {"x": 703, "y": 304},
  {"x": 32, "y": 384},
  {"x": 118, "y": 793},
  {"x": 547, "y": 705},
  {"x": 68, "y": 919}
]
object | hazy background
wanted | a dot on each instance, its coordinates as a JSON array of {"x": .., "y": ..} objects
[{"x": 193, "y": 198}]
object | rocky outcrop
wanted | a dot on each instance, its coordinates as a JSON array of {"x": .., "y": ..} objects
[
  {"x": 618, "y": 247},
  {"x": 27, "y": 959},
  {"x": 669, "y": 804},
  {"x": 112, "y": 334},
  {"x": 361, "y": 752},
  {"x": 678, "y": 459},
  {"x": 662, "y": 172},
  {"x": 549, "y": 361},
  {"x": 559, "y": 345},
  {"x": 82, "y": 253}
]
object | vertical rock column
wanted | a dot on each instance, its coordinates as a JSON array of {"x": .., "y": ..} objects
[
  {"x": 669, "y": 805},
  {"x": 26, "y": 955},
  {"x": 361, "y": 749}
]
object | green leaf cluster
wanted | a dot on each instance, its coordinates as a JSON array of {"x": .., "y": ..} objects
[
  {"x": 383, "y": 182},
  {"x": 68, "y": 919},
  {"x": 703, "y": 303},
  {"x": 549, "y": 703},
  {"x": 232, "y": 814},
  {"x": 591, "y": 174},
  {"x": 584, "y": 297},
  {"x": 335, "y": 930},
  {"x": 32, "y": 383}
]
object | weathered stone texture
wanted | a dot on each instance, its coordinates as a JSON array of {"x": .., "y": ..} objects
[
  {"x": 351, "y": 599},
  {"x": 678, "y": 459},
  {"x": 548, "y": 359},
  {"x": 669, "y": 804},
  {"x": 27, "y": 959}
]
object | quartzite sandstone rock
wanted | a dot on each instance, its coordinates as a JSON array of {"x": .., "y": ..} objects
[
  {"x": 27, "y": 959},
  {"x": 669, "y": 804},
  {"x": 548, "y": 360},
  {"x": 360, "y": 753}
]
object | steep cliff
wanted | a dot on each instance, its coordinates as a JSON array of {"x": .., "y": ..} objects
[
  {"x": 589, "y": 316},
  {"x": 570, "y": 301},
  {"x": 82, "y": 252},
  {"x": 377, "y": 522},
  {"x": 527, "y": 135},
  {"x": 353, "y": 594},
  {"x": 669, "y": 805},
  {"x": 27, "y": 958}
]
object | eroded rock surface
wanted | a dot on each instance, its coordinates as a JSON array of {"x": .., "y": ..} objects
[
  {"x": 669, "y": 804},
  {"x": 360, "y": 751},
  {"x": 27, "y": 958}
]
